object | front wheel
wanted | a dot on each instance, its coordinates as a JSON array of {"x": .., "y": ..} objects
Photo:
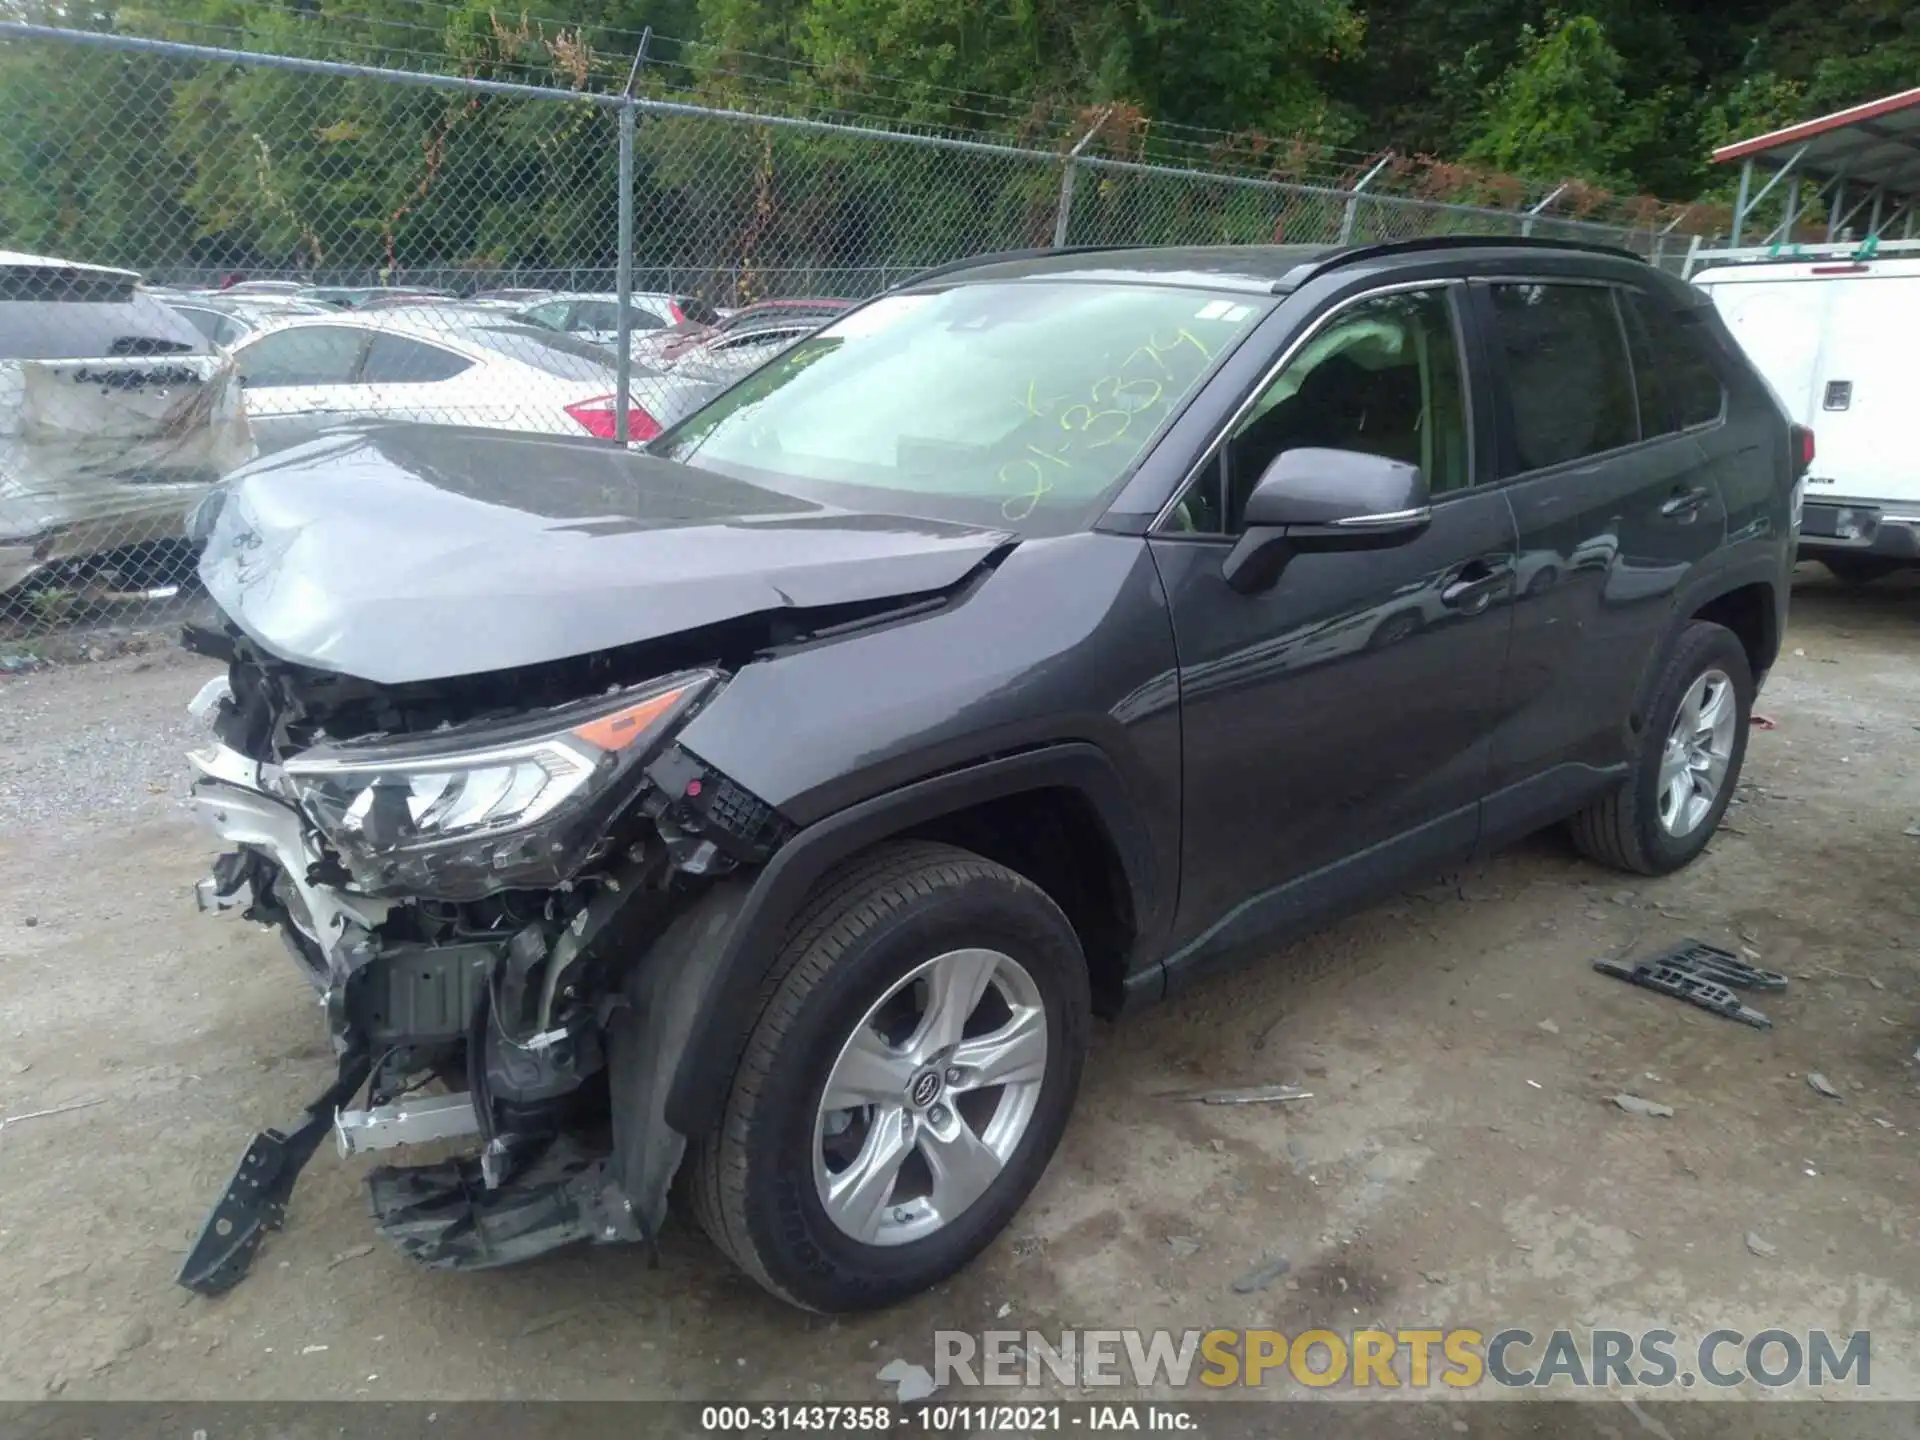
[
  {"x": 916, "y": 1057},
  {"x": 1687, "y": 763}
]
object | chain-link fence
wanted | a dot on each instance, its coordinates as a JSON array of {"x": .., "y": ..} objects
[{"x": 213, "y": 254}]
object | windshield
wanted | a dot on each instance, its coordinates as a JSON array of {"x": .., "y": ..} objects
[{"x": 1019, "y": 404}]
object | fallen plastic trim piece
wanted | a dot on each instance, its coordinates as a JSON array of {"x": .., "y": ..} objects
[
  {"x": 1701, "y": 974},
  {"x": 256, "y": 1198}
]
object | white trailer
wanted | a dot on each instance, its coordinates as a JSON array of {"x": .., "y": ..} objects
[
  {"x": 1839, "y": 341},
  {"x": 1833, "y": 320}
]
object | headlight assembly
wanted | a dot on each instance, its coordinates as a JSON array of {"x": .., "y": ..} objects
[{"x": 469, "y": 810}]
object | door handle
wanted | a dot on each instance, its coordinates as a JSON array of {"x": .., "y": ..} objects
[
  {"x": 1685, "y": 504},
  {"x": 1474, "y": 584}
]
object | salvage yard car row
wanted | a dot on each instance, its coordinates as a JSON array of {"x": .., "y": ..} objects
[{"x": 121, "y": 403}]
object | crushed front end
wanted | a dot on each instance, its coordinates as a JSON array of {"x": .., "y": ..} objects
[{"x": 477, "y": 875}]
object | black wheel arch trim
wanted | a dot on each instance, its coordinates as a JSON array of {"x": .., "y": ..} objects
[
  {"x": 724, "y": 1017},
  {"x": 1698, "y": 593}
]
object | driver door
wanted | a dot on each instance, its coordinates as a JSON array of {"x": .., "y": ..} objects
[{"x": 1335, "y": 726}]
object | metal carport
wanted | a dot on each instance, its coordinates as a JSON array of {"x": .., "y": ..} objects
[{"x": 1863, "y": 162}]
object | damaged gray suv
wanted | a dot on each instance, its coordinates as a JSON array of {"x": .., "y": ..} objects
[{"x": 763, "y": 816}]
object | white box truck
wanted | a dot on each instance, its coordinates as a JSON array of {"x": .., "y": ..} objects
[{"x": 1839, "y": 341}]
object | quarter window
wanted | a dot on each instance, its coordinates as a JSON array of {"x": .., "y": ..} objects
[
  {"x": 1567, "y": 372},
  {"x": 1679, "y": 387}
]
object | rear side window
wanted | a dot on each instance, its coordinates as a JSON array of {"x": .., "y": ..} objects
[
  {"x": 553, "y": 315},
  {"x": 396, "y": 360},
  {"x": 1567, "y": 371},
  {"x": 555, "y": 354},
  {"x": 309, "y": 355},
  {"x": 1679, "y": 388},
  {"x": 93, "y": 328},
  {"x": 210, "y": 323}
]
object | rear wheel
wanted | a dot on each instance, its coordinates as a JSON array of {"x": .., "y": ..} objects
[
  {"x": 1687, "y": 763},
  {"x": 909, "y": 1077}
]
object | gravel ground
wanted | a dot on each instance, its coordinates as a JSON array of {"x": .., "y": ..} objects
[
  {"x": 97, "y": 744},
  {"x": 1460, "y": 1162}
]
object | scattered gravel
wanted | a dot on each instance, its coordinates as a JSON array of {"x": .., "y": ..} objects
[{"x": 97, "y": 744}]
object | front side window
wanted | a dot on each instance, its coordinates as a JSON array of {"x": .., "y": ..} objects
[
  {"x": 309, "y": 355},
  {"x": 1567, "y": 372},
  {"x": 1382, "y": 377},
  {"x": 1017, "y": 403}
]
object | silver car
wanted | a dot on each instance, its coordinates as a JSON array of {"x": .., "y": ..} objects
[
  {"x": 438, "y": 365},
  {"x": 227, "y": 320},
  {"x": 596, "y": 318}
]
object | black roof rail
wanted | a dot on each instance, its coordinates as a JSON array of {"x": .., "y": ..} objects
[
  {"x": 995, "y": 257},
  {"x": 1308, "y": 269}
]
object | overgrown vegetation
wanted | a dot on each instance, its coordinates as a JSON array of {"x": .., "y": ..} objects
[{"x": 126, "y": 157}]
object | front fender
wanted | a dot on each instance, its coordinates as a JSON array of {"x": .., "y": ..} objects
[{"x": 746, "y": 932}]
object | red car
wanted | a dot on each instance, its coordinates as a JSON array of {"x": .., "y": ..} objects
[{"x": 765, "y": 320}]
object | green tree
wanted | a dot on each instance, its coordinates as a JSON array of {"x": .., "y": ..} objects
[{"x": 1556, "y": 114}]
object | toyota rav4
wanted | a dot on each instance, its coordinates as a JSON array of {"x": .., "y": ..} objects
[{"x": 763, "y": 816}]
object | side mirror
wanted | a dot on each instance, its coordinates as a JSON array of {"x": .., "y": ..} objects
[{"x": 1313, "y": 499}]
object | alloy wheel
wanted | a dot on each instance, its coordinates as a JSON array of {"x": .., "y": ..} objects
[
  {"x": 1699, "y": 749},
  {"x": 930, "y": 1096}
]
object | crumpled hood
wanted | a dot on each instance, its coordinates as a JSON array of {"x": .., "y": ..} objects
[{"x": 409, "y": 553}]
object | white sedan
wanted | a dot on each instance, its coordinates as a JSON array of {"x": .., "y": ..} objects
[{"x": 435, "y": 365}]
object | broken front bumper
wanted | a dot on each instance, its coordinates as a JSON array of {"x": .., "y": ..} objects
[{"x": 511, "y": 1201}]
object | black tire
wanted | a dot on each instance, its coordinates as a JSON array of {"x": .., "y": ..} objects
[
  {"x": 869, "y": 924},
  {"x": 1859, "y": 569},
  {"x": 1622, "y": 828}
]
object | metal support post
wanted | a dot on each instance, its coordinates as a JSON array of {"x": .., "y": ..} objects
[
  {"x": 1526, "y": 225},
  {"x": 1063, "y": 214},
  {"x": 1740, "y": 202},
  {"x": 1660, "y": 240},
  {"x": 623, "y": 277},
  {"x": 1352, "y": 212}
]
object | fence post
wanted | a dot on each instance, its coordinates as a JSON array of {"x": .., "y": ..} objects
[
  {"x": 623, "y": 279},
  {"x": 1352, "y": 211},
  {"x": 623, "y": 285},
  {"x": 1526, "y": 225},
  {"x": 1064, "y": 212}
]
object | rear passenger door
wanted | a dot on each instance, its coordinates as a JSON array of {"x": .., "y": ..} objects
[{"x": 1615, "y": 502}]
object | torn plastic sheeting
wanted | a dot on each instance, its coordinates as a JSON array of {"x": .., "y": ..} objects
[{"x": 98, "y": 453}]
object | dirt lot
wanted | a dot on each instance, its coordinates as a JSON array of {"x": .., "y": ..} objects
[{"x": 1459, "y": 1162}]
